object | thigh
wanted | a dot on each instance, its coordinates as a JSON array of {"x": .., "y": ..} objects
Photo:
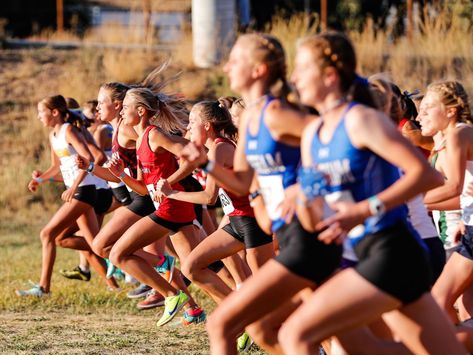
[
  {"x": 139, "y": 235},
  {"x": 121, "y": 220},
  {"x": 269, "y": 288},
  {"x": 216, "y": 246},
  {"x": 457, "y": 275},
  {"x": 185, "y": 240},
  {"x": 88, "y": 224},
  {"x": 424, "y": 328},
  {"x": 345, "y": 301},
  {"x": 66, "y": 216}
]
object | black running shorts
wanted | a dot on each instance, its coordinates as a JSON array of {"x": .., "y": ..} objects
[
  {"x": 104, "y": 201},
  {"x": 86, "y": 194},
  {"x": 396, "y": 262},
  {"x": 247, "y": 231},
  {"x": 141, "y": 205},
  {"x": 305, "y": 255}
]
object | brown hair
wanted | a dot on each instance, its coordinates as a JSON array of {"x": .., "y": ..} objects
[
  {"x": 334, "y": 49},
  {"x": 387, "y": 100},
  {"x": 58, "y": 102},
  {"x": 164, "y": 113},
  {"x": 453, "y": 95},
  {"x": 117, "y": 90},
  {"x": 219, "y": 117},
  {"x": 267, "y": 49}
]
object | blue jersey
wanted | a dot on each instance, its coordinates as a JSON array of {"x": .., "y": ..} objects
[
  {"x": 355, "y": 175},
  {"x": 276, "y": 165}
]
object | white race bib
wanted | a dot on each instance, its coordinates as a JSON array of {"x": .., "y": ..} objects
[
  {"x": 272, "y": 190},
  {"x": 227, "y": 204},
  {"x": 69, "y": 170}
]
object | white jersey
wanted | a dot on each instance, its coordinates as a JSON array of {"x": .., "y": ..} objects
[
  {"x": 419, "y": 217},
  {"x": 67, "y": 157},
  {"x": 466, "y": 201}
]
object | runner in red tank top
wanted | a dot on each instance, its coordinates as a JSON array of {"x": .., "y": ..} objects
[
  {"x": 156, "y": 159},
  {"x": 208, "y": 121}
]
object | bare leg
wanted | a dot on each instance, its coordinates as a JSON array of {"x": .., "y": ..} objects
[
  {"x": 456, "y": 277},
  {"x": 122, "y": 219},
  {"x": 267, "y": 290},
  {"x": 139, "y": 235}
]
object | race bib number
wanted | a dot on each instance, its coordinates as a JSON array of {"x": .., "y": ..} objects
[
  {"x": 226, "y": 201},
  {"x": 152, "y": 191},
  {"x": 69, "y": 170},
  {"x": 272, "y": 190}
]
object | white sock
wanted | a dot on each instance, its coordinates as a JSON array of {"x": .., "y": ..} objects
[{"x": 85, "y": 269}]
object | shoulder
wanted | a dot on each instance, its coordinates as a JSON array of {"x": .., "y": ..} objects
[{"x": 361, "y": 117}]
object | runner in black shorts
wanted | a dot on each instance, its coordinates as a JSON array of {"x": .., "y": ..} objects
[{"x": 352, "y": 157}]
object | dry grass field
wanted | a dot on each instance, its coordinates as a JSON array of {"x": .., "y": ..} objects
[{"x": 84, "y": 317}]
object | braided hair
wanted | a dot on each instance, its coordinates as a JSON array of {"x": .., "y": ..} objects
[{"x": 452, "y": 94}]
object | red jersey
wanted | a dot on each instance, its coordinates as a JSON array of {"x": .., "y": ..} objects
[
  {"x": 128, "y": 155},
  {"x": 232, "y": 204},
  {"x": 161, "y": 165}
]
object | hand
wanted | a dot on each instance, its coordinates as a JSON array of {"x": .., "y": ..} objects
[
  {"x": 288, "y": 206},
  {"x": 194, "y": 154},
  {"x": 82, "y": 163},
  {"x": 36, "y": 173},
  {"x": 33, "y": 185},
  {"x": 68, "y": 194},
  {"x": 335, "y": 228},
  {"x": 163, "y": 187},
  {"x": 459, "y": 231},
  {"x": 116, "y": 166}
]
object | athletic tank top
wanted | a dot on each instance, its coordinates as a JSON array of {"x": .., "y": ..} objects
[
  {"x": 446, "y": 222},
  {"x": 160, "y": 165},
  {"x": 232, "y": 204},
  {"x": 276, "y": 166},
  {"x": 128, "y": 155},
  {"x": 355, "y": 175},
  {"x": 67, "y": 157}
]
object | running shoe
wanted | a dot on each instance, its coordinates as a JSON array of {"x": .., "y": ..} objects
[
  {"x": 118, "y": 274},
  {"x": 172, "y": 306},
  {"x": 35, "y": 291},
  {"x": 244, "y": 343},
  {"x": 76, "y": 274},
  {"x": 138, "y": 292},
  {"x": 110, "y": 269},
  {"x": 193, "y": 316},
  {"x": 167, "y": 267},
  {"x": 130, "y": 280},
  {"x": 152, "y": 300}
]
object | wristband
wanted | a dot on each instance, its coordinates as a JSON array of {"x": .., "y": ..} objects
[
  {"x": 51, "y": 179},
  {"x": 376, "y": 206},
  {"x": 38, "y": 179},
  {"x": 209, "y": 166},
  {"x": 122, "y": 175},
  {"x": 253, "y": 195},
  {"x": 313, "y": 183},
  {"x": 91, "y": 166}
]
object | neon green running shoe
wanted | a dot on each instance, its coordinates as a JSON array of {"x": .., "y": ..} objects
[
  {"x": 172, "y": 306},
  {"x": 244, "y": 343},
  {"x": 75, "y": 274}
]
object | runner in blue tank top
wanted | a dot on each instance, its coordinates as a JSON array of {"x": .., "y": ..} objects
[
  {"x": 268, "y": 149},
  {"x": 360, "y": 150}
]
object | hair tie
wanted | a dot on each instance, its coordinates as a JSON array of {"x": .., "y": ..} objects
[{"x": 361, "y": 80}]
